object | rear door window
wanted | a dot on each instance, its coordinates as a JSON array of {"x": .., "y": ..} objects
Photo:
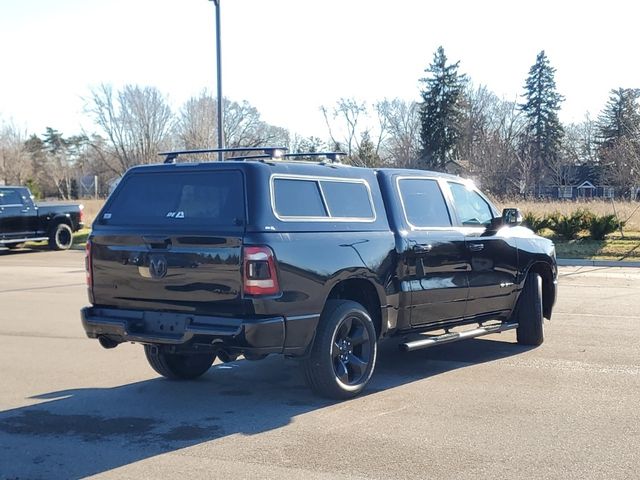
[
  {"x": 204, "y": 199},
  {"x": 423, "y": 203}
]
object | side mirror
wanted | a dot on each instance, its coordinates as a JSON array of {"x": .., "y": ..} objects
[{"x": 511, "y": 217}]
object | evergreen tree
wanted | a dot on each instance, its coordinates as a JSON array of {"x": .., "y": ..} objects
[
  {"x": 441, "y": 112},
  {"x": 366, "y": 154},
  {"x": 543, "y": 132},
  {"x": 619, "y": 141},
  {"x": 620, "y": 118}
]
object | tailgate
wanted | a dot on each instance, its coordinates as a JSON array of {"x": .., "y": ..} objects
[{"x": 199, "y": 274}]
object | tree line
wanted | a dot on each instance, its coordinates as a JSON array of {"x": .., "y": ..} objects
[{"x": 509, "y": 147}]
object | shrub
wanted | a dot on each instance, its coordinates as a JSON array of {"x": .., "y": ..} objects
[
  {"x": 535, "y": 222},
  {"x": 601, "y": 226},
  {"x": 569, "y": 226}
]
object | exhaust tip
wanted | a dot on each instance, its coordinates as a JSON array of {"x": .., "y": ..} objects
[
  {"x": 107, "y": 343},
  {"x": 226, "y": 357}
]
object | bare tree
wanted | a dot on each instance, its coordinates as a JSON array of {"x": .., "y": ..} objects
[
  {"x": 622, "y": 165},
  {"x": 491, "y": 143},
  {"x": 400, "y": 121},
  {"x": 135, "y": 121},
  {"x": 343, "y": 123},
  {"x": 197, "y": 127},
  {"x": 15, "y": 164}
]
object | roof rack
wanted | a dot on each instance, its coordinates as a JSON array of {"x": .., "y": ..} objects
[
  {"x": 268, "y": 152},
  {"x": 273, "y": 153},
  {"x": 333, "y": 157}
]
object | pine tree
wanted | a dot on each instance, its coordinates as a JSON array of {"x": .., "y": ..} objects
[
  {"x": 366, "y": 154},
  {"x": 620, "y": 118},
  {"x": 619, "y": 141},
  {"x": 544, "y": 132},
  {"x": 441, "y": 112}
]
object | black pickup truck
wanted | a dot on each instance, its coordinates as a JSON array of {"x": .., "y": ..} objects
[
  {"x": 21, "y": 220},
  {"x": 315, "y": 260}
]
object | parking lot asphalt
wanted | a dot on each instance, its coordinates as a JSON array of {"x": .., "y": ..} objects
[{"x": 484, "y": 408}]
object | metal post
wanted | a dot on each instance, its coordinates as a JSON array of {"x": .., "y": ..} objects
[{"x": 219, "y": 68}]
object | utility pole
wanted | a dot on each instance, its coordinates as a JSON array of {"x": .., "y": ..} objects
[{"x": 219, "y": 69}]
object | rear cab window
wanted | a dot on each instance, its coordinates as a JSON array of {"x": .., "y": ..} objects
[
  {"x": 202, "y": 199},
  {"x": 10, "y": 197}
]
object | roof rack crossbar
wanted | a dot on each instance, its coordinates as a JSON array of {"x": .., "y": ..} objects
[
  {"x": 332, "y": 156},
  {"x": 269, "y": 152}
]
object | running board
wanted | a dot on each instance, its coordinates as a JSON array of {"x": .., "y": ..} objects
[{"x": 456, "y": 336}]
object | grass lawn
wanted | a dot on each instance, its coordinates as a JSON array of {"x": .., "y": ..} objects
[{"x": 613, "y": 247}]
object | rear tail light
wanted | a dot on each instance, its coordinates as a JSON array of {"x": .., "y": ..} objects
[
  {"x": 81, "y": 213},
  {"x": 259, "y": 271}
]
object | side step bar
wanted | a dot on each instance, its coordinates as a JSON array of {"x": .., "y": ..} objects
[{"x": 456, "y": 336}]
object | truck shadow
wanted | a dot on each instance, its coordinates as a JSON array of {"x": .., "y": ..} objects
[
  {"x": 82, "y": 432},
  {"x": 24, "y": 250}
]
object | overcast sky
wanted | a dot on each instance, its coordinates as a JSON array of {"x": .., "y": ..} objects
[{"x": 288, "y": 57}]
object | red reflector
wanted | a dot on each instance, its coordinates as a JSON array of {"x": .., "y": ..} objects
[
  {"x": 259, "y": 272},
  {"x": 88, "y": 264}
]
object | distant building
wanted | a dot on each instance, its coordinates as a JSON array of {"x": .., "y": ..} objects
[{"x": 579, "y": 182}]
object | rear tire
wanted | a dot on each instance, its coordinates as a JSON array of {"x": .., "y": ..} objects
[
  {"x": 343, "y": 355},
  {"x": 61, "y": 237},
  {"x": 175, "y": 366},
  {"x": 529, "y": 312}
]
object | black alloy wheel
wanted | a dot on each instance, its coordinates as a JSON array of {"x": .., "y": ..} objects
[
  {"x": 352, "y": 351},
  {"x": 343, "y": 355}
]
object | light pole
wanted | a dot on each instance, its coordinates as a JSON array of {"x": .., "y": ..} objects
[{"x": 219, "y": 68}]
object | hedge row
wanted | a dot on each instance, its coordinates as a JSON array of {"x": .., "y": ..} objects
[{"x": 570, "y": 226}]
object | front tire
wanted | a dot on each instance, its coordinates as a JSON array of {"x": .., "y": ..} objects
[
  {"x": 529, "y": 312},
  {"x": 61, "y": 237},
  {"x": 175, "y": 366},
  {"x": 343, "y": 355}
]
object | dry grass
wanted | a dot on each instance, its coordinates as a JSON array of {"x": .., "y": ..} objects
[
  {"x": 91, "y": 209},
  {"x": 626, "y": 210}
]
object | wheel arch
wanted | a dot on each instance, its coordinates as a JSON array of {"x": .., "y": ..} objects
[
  {"x": 57, "y": 220},
  {"x": 548, "y": 286},
  {"x": 364, "y": 292}
]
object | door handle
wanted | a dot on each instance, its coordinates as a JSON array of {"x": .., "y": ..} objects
[
  {"x": 422, "y": 247},
  {"x": 476, "y": 247}
]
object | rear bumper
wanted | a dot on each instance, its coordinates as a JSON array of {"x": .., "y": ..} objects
[
  {"x": 256, "y": 335},
  {"x": 259, "y": 335}
]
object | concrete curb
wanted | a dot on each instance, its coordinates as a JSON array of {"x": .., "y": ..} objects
[{"x": 577, "y": 262}]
